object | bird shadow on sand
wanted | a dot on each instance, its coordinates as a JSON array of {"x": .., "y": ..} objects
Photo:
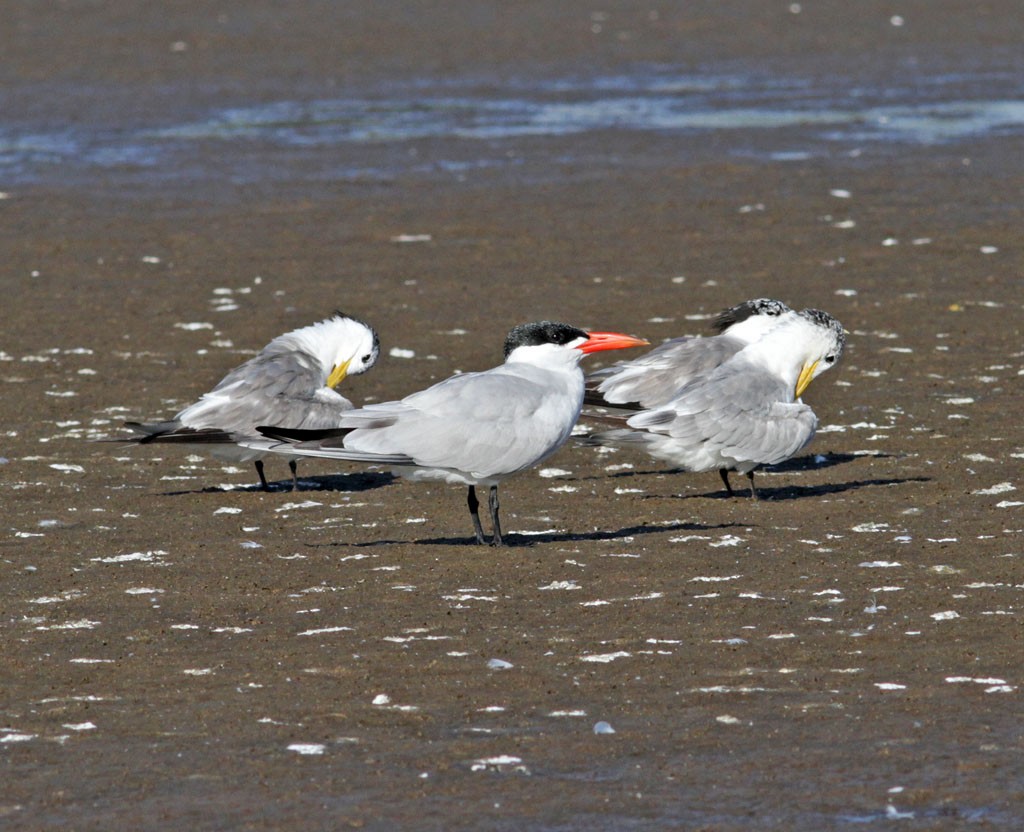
[
  {"x": 816, "y": 462},
  {"x": 521, "y": 540},
  {"x": 794, "y": 492},
  {"x": 361, "y": 481},
  {"x": 808, "y": 462}
]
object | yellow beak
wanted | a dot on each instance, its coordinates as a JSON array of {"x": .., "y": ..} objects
[
  {"x": 806, "y": 374},
  {"x": 338, "y": 374}
]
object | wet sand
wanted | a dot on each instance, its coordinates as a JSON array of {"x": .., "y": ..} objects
[{"x": 182, "y": 649}]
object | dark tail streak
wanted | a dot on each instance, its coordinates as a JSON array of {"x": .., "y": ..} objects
[{"x": 302, "y": 434}]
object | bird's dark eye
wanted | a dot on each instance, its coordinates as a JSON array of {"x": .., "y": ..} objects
[
  {"x": 366, "y": 358},
  {"x": 830, "y": 359}
]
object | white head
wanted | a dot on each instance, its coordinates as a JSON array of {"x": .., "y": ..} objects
[
  {"x": 801, "y": 347},
  {"x": 751, "y": 319},
  {"x": 343, "y": 346}
]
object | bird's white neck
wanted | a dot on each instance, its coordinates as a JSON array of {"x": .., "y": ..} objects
[
  {"x": 547, "y": 356},
  {"x": 781, "y": 353}
]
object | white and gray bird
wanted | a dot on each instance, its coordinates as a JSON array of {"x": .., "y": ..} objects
[
  {"x": 746, "y": 411},
  {"x": 291, "y": 383},
  {"x": 654, "y": 379},
  {"x": 474, "y": 429}
]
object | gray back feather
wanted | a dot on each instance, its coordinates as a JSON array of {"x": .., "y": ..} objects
[
  {"x": 656, "y": 378},
  {"x": 285, "y": 389},
  {"x": 735, "y": 418}
]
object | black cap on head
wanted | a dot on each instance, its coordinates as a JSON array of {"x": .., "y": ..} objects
[
  {"x": 541, "y": 332},
  {"x": 759, "y": 306}
]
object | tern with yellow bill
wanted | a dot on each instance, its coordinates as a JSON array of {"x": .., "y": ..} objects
[
  {"x": 654, "y": 379},
  {"x": 290, "y": 383},
  {"x": 746, "y": 412}
]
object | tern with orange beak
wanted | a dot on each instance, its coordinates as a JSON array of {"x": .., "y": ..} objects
[{"x": 473, "y": 429}]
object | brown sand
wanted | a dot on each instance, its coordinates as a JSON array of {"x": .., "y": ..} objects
[{"x": 758, "y": 674}]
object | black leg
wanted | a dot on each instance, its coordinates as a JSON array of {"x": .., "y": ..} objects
[
  {"x": 753, "y": 491},
  {"x": 263, "y": 479},
  {"x": 293, "y": 465},
  {"x": 724, "y": 474},
  {"x": 474, "y": 510},
  {"x": 492, "y": 503}
]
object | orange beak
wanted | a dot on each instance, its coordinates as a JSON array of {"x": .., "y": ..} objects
[{"x": 598, "y": 341}]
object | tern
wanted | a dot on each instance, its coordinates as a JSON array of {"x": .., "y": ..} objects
[
  {"x": 746, "y": 412},
  {"x": 473, "y": 429},
  {"x": 653, "y": 379},
  {"x": 291, "y": 383}
]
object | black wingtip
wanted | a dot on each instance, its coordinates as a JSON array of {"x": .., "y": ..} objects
[
  {"x": 595, "y": 399},
  {"x": 301, "y": 434}
]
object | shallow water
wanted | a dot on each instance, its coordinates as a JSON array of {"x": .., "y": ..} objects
[{"x": 472, "y": 125}]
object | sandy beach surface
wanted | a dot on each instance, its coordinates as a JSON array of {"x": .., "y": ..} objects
[{"x": 181, "y": 182}]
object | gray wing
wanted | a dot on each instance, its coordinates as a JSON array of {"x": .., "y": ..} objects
[
  {"x": 290, "y": 374},
  {"x": 282, "y": 389},
  {"x": 494, "y": 422},
  {"x": 654, "y": 379},
  {"x": 173, "y": 431},
  {"x": 331, "y": 448},
  {"x": 485, "y": 424},
  {"x": 743, "y": 415}
]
